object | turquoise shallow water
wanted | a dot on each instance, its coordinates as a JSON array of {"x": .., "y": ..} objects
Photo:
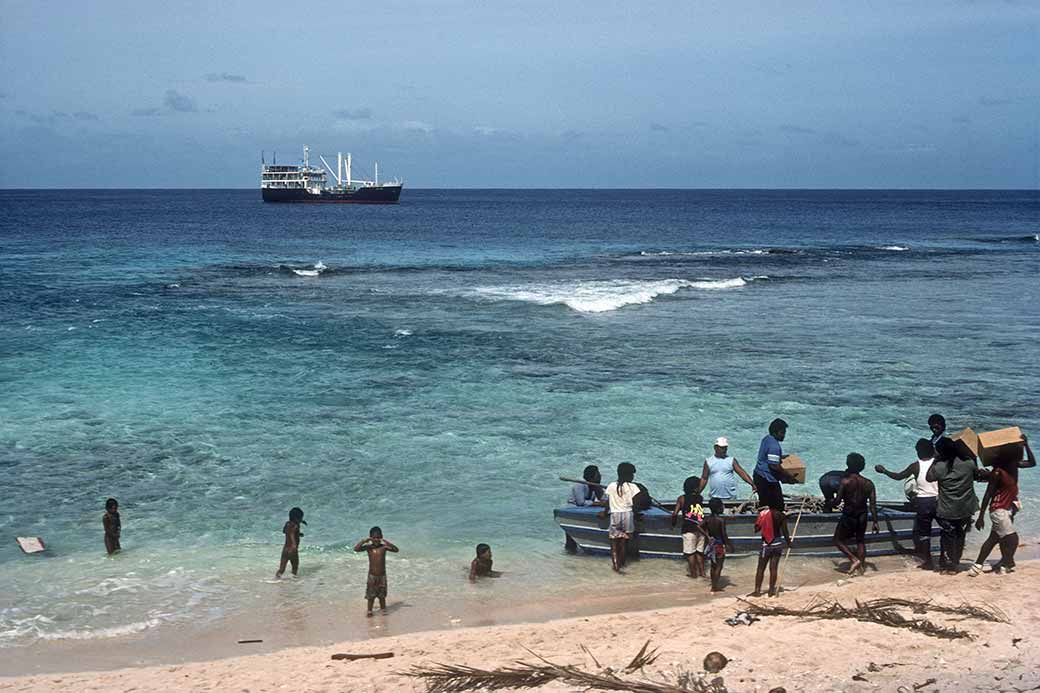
[{"x": 449, "y": 359}]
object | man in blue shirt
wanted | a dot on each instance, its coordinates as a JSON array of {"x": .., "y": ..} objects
[{"x": 768, "y": 474}]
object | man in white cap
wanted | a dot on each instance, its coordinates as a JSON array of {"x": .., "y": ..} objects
[{"x": 720, "y": 472}]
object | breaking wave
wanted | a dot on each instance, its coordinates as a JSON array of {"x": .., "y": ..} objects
[
  {"x": 314, "y": 271},
  {"x": 894, "y": 247},
  {"x": 604, "y": 296}
]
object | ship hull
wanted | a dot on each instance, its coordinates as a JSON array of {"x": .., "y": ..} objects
[
  {"x": 382, "y": 195},
  {"x": 655, "y": 536}
]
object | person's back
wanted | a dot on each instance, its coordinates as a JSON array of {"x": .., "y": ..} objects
[
  {"x": 956, "y": 481},
  {"x": 830, "y": 482},
  {"x": 856, "y": 492}
]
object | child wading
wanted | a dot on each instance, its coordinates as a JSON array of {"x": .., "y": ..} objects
[
  {"x": 694, "y": 536},
  {"x": 718, "y": 541},
  {"x": 772, "y": 523},
  {"x": 376, "y": 546},
  {"x": 620, "y": 495},
  {"x": 113, "y": 526},
  {"x": 481, "y": 566},
  {"x": 291, "y": 548}
]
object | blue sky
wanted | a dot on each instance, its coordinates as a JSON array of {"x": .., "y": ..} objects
[{"x": 533, "y": 94}]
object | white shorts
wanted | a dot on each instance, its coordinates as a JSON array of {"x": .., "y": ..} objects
[
  {"x": 1001, "y": 522},
  {"x": 622, "y": 525},
  {"x": 694, "y": 542}
]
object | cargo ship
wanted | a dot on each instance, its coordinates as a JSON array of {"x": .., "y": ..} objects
[{"x": 306, "y": 183}]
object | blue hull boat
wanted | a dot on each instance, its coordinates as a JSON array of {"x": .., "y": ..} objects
[{"x": 656, "y": 538}]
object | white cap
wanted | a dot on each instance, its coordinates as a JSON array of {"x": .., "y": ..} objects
[{"x": 722, "y": 442}]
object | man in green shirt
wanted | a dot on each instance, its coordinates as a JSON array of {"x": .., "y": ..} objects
[{"x": 956, "y": 471}]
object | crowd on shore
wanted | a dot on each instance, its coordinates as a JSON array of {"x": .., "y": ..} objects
[{"x": 940, "y": 486}]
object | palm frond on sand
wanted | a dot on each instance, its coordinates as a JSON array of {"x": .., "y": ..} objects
[
  {"x": 457, "y": 678},
  {"x": 885, "y": 612}
]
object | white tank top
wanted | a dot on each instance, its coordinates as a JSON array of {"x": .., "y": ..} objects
[{"x": 926, "y": 489}]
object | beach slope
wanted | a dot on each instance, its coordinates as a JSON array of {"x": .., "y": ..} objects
[{"x": 776, "y": 651}]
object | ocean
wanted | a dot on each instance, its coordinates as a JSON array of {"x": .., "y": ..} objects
[{"x": 434, "y": 367}]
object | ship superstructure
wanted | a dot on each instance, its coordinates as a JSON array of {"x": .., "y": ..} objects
[{"x": 306, "y": 183}]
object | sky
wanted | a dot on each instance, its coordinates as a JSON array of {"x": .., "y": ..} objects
[{"x": 535, "y": 94}]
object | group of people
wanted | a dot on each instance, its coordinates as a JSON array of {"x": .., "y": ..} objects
[
  {"x": 940, "y": 489},
  {"x": 375, "y": 545}
]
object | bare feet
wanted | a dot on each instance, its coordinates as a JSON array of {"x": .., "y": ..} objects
[
  {"x": 853, "y": 567},
  {"x": 755, "y": 594},
  {"x": 369, "y": 614}
]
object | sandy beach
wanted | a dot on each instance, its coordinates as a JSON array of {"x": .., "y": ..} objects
[{"x": 776, "y": 651}]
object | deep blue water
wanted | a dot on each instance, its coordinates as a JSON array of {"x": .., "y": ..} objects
[{"x": 456, "y": 354}]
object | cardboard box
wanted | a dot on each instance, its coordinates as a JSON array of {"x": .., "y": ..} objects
[
  {"x": 993, "y": 443},
  {"x": 794, "y": 466},
  {"x": 970, "y": 438},
  {"x": 989, "y": 445}
]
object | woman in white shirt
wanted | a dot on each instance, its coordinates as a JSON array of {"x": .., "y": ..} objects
[{"x": 620, "y": 495}]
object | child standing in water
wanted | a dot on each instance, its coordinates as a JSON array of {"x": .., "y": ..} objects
[
  {"x": 620, "y": 495},
  {"x": 291, "y": 549},
  {"x": 481, "y": 566},
  {"x": 718, "y": 541},
  {"x": 694, "y": 537},
  {"x": 376, "y": 546},
  {"x": 113, "y": 526},
  {"x": 772, "y": 523}
]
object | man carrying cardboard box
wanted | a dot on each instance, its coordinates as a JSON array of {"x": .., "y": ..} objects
[
  {"x": 1002, "y": 500},
  {"x": 768, "y": 473}
]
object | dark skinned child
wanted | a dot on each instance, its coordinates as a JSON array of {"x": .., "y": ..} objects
[
  {"x": 718, "y": 541},
  {"x": 376, "y": 546},
  {"x": 688, "y": 506},
  {"x": 481, "y": 566},
  {"x": 113, "y": 526},
  {"x": 772, "y": 523},
  {"x": 291, "y": 548}
]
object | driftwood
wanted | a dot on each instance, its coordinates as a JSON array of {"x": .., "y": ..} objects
[
  {"x": 353, "y": 657},
  {"x": 457, "y": 678},
  {"x": 248, "y": 642},
  {"x": 882, "y": 611}
]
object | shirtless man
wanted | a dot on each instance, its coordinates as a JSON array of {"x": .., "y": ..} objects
[
  {"x": 855, "y": 492},
  {"x": 377, "y": 547}
]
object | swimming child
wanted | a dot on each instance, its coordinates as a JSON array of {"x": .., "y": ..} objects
[
  {"x": 376, "y": 546},
  {"x": 718, "y": 541},
  {"x": 113, "y": 526},
  {"x": 291, "y": 549},
  {"x": 694, "y": 537},
  {"x": 481, "y": 565},
  {"x": 620, "y": 495},
  {"x": 772, "y": 523}
]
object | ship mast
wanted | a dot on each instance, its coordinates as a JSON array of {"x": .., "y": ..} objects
[{"x": 348, "y": 169}]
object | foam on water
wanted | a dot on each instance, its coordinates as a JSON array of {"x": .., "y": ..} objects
[{"x": 602, "y": 296}]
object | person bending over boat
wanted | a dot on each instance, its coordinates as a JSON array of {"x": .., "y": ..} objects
[
  {"x": 1002, "y": 499},
  {"x": 855, "y": 493},
  {"x": 768, "y": 474},
  {"x": 925, "y": 497},
  {"x": 620, "y": 495},
  {"x": 830, "y": 482},
  {"x": 584, "y": 495},
  {"x": 720, "y": 473},
  {"x": 956, "y": 471}
]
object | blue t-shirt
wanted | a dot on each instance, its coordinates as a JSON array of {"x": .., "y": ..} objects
[{"x": 769, "y": 452}]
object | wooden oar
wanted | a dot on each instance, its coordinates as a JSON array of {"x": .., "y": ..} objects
[
  {"x": 653, "y": 501},
  {"x": 780, "y": 577}
]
